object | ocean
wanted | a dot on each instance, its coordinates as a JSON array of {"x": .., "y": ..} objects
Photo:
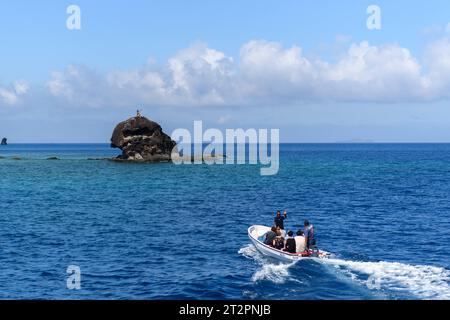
[{"x": 162, "y": 231}]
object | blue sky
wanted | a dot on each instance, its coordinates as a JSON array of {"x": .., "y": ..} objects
[{"x": 310, "y": 68}]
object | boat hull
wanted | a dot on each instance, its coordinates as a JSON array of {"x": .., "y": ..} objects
[{"x": 255, "y": 232}]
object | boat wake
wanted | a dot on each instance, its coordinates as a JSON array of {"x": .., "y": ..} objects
[
  {"x": 392, "y": 278},
  {"x": 275, "y": 272},
  {"x": 424, "y": 282}
]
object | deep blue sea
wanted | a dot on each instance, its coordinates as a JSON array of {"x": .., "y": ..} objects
[{"x": 162, "y": 231}]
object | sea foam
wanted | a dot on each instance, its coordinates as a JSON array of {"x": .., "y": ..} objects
[
  {"x": 269, "y": 271},
  {"x": 422, "y": 281}
]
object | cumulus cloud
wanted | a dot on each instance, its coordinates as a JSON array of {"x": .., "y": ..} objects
[
  {"x": 265, "y": 72},
  {"x": 197, "y": 75},
  {"x": 437, "y": 62},
  {"x": 370, "y": 73},
  {"x": 270, "y": 72},
  {"x": 11, "y": 95}
]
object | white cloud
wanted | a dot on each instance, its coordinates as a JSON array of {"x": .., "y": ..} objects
[
  {"x": 270, "y": 72},
  {"x": 369, "y": 73},
  {"x": 79, "y": 85},
  {"x": 200, "y": 75},
  {"x": 437, "y": 62},
  {"x": 224, "y": 119},
  {"x": 21, "y": 87},
  {"x": 265, "y": 73},
  {"x": 197, "y": 75},
  {"x": 7, "y": 96},
  {"x": 11, "y": 95}
]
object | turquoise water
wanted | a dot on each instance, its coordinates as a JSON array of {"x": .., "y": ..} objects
[{"x": 161, "y": 231}]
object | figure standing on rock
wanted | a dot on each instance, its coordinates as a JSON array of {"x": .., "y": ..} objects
[{"x": 142, "y": 140}]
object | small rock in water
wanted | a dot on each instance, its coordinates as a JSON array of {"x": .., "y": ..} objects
[
  {"x": 4, "y": 142},
  {"x": 53, "y": 158},
  {"x": 142, "y": 140}
]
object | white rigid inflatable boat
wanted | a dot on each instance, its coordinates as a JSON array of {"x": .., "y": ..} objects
[{"x": 255, "y": 233}]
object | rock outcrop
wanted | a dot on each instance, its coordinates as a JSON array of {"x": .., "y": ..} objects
[
  {"x": 4, "y": 142},
  {"x": 142, "y": 140}
]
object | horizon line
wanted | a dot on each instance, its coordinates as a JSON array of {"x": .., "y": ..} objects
[{"x": 309, "y": 142}]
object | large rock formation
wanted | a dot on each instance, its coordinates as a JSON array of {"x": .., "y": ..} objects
[
  {"x": 142, "y": 140},
  {"x": 4, "y": 142}
]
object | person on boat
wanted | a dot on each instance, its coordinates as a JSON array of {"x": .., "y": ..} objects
[
  {"x": 310, "y": 240},
  {"x": 270, "y": 236},
  {"x": 279, "y": 219},
  {"x": 280, "y": 232},
  {"x": 290, "y": 243},
  {"x": 300, "y": 242},
  {"x": 278, "y": 243}
]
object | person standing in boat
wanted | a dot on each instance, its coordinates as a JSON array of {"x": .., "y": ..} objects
[
  {"x": 279, "y": 219},
  {"x": 310, "y": 240}
]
